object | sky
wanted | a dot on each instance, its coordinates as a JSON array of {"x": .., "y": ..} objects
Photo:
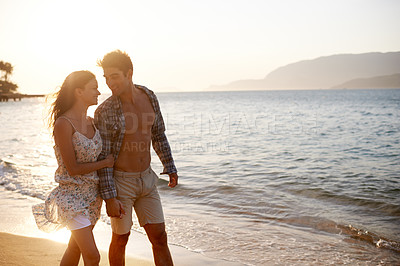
[{"x": 186, "y": 45}]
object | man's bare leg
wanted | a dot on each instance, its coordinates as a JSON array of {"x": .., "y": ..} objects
[
  {"x": 158, "y": 238},
  {"x": 116, "y": 253}
]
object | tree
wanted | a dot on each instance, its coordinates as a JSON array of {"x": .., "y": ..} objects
[{"x": 5, "y": 85}]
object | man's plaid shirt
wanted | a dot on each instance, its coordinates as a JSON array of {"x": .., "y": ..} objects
[{"x": 110, "y": 121}]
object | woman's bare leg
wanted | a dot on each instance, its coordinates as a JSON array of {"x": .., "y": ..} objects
[
  {"x": 72, "y": 254},
  {"x": 87, "y": 246}
]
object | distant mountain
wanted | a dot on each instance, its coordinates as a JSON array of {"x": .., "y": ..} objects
[
  {"x": 323, "y": 72},
  {"x": 387, "y": 82}
]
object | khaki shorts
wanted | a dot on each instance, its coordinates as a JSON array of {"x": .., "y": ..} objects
[{"x": 137, "y": 190}]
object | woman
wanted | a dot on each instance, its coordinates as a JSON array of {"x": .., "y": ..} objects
[{"x": 75, "y": 203}]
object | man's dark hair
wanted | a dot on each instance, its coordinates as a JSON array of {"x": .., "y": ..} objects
[{"x": 117, "y": 59}]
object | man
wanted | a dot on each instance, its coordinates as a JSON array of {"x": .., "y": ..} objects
[{"x": 129, "y": 122}]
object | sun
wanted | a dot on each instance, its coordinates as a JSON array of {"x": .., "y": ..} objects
[{"x": 66, "y": 36}]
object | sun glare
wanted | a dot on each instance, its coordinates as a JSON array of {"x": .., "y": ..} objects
[
  {"x": 61, "y": 236},
  {"x": 68, "y": 36}
]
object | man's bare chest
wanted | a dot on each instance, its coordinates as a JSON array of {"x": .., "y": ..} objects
[{"x": 139, "y": 116}]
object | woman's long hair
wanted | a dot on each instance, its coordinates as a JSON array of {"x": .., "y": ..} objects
[{"x": 65, "y": 97}]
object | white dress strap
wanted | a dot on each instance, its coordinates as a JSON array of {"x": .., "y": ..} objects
[
  {"x": 92, "y": 120},
  {"x": 66, "y": 118}
]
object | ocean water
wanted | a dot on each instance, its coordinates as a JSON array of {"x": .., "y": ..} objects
[{"x": 266, "y": 177}]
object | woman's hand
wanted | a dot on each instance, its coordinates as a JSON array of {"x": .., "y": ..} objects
[{"x": 109, "y": 161}]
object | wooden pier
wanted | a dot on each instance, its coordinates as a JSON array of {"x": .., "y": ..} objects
[{"x": 5, "y": 97}]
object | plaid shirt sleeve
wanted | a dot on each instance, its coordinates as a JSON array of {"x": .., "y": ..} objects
[
  {"x": 106, "y": 175},
  {"x": 159, "y": 140}
]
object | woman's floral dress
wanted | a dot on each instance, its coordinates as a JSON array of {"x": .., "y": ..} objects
[{"x": 75, "y": 194}]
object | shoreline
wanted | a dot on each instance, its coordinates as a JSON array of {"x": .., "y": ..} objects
[{"x": 18, "y": 233}]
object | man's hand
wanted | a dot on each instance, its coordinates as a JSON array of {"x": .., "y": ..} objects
[
  {"x": 173, "y": 180},
  {"x": 114, "y": 208}
]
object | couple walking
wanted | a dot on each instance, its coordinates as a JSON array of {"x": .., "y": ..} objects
[{"x": 107, "y": 158}]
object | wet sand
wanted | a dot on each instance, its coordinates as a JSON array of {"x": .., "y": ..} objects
[{"x": 21, "y": 250}]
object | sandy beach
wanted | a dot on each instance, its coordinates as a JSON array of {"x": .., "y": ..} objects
[
  {"x": 19, "y": 250},
  {"x": 22, "y": 243}
]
